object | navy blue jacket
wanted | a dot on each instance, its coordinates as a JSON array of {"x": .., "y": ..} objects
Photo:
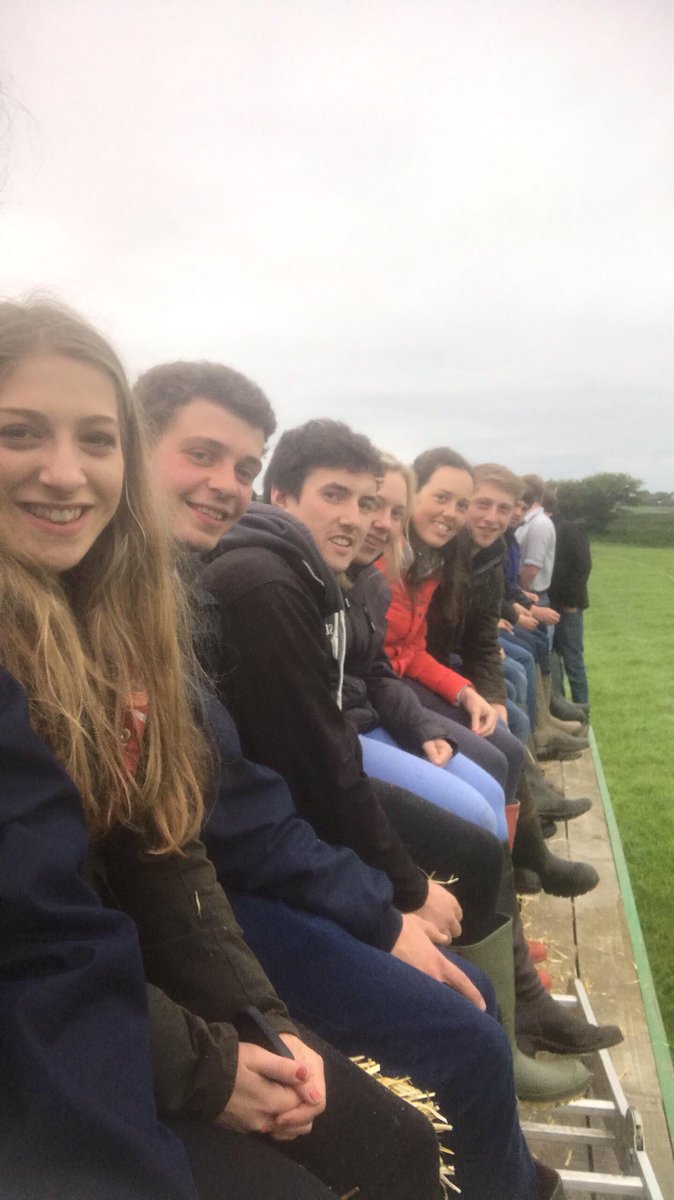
[
  {"x": 259, "y": 844},
  {"x": 77, "y": 1113}
]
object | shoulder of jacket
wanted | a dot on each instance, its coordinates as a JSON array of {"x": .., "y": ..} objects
[{"x": 246, "y": 567}]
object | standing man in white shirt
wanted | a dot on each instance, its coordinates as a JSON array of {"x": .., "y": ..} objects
[{"x": 537, "y": 539}]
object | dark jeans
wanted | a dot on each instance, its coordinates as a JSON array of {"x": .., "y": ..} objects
[
  {"x": 569, "y": 646},
  {"x": 443, "y": 845},
  {"x": 502, "y": 755},
  {"x": 366, "y": 1001}
]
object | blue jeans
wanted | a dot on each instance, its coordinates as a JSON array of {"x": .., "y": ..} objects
[
  {"x": 569, "y": 646},
  {"x": 536, "y": 642},
  {"x": 518, "y": 653},
  {"x": 544, "y": 601},
  {"x": 460, "y": 787},
  {"x": 518, "y": 722},
  {"x": 516, "y": 680},
  {"x": 365, "y": 1001}
]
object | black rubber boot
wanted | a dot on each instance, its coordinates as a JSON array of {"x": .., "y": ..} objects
[
  {"x": 566, "y": 710},
  {"x": 549, "y": 801},
  {"x": 558, "y": 876},
  {"x": 527, "y": 882},
  {"x": 553, "y": 807}
]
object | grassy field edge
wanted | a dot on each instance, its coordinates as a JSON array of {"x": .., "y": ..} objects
[{"x": 630, "y": 660}]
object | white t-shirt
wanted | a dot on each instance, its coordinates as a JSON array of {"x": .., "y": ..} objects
[{"x": 537, "y": 539}]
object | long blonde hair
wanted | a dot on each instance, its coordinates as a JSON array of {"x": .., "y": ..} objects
[
  {"x": 394, "y": 550},
  {"x": 82, "y": 643}
]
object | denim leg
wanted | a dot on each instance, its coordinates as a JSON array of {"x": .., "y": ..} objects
[
  {"x": 544, "y": 601},
  {"x": 536, "y": 642},
  {"x": 517, "y": 677},
  {"x": 383, "y": 759},
  {"x": 518, "y": 722},
  {"x": 365, "y": 1001},
  {"x": 527, "y": 661},
  {"x": 569, "y": 643}
]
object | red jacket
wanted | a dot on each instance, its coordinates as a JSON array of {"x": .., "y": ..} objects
[{"x": 405, "y": 641}]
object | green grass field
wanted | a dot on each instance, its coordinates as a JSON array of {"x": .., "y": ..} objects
[{"x": 630, "y": 661}]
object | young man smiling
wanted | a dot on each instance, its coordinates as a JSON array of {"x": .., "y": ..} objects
[
  {"x": 208, "y": 426},
  {"x": 274, "y": 575}
]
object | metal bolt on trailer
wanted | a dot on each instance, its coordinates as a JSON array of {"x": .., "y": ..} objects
[{"x": 610, "y": 1123}]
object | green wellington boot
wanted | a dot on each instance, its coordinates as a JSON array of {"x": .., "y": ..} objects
[{"x": 535, "y": 1079}]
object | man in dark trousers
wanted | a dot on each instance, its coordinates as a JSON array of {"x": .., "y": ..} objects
[{"x": 569, "y": 596}]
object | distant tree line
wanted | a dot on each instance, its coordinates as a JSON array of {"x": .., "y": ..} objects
[
  {"x": 655, "y": 499},
  {"x": 596, "y": 499}
]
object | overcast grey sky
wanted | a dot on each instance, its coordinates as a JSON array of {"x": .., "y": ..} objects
[{"x": 445, "y": 221}]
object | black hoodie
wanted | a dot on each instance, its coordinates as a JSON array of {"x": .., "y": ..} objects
[{"x": 280, "y": 670}]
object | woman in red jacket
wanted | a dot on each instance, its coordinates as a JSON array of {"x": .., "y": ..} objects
[{"x": 444, "y": 489}]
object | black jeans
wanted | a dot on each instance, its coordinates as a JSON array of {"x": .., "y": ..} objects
[{"x": 445, "y": 845}]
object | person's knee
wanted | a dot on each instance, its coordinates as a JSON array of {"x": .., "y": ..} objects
[
  {"x": 514, "y": 751},
  {"x": 491, "y": 1066},
  {"x": 481, "y": 981},
  {"x": 483, "y": 815}
]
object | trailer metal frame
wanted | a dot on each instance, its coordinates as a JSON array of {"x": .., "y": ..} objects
[{"x": 609, "y": 1122}]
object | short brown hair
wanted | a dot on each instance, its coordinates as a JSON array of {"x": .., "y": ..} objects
[
  {"x": 318, "y": 443},
  {"x": 534, "y": 486},
  {"x": 164, "y": 389},
  {"x": 501, "y": 477}
]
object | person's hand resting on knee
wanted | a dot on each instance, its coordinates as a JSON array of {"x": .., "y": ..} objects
[
  {"x": 275, "y": 1095},
  {"x": 418, "y": 945}
]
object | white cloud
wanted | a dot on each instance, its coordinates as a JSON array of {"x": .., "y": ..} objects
[{"x": 443, "y": 222}]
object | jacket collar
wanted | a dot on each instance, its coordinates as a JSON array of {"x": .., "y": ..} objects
[
  {"x": 266, "y": 526},
  {"x": 487, "y": 558}
]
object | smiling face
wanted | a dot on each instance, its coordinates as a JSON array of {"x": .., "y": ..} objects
[
  {"x": 441, "y": 505},
  {"x": 336, "y": 506},
  {"x": 489, "y": 514},
  {"x": 205, "y": 463},
  {"x": 388, "y": 519},
  {"x": 61, "y": 463}
]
